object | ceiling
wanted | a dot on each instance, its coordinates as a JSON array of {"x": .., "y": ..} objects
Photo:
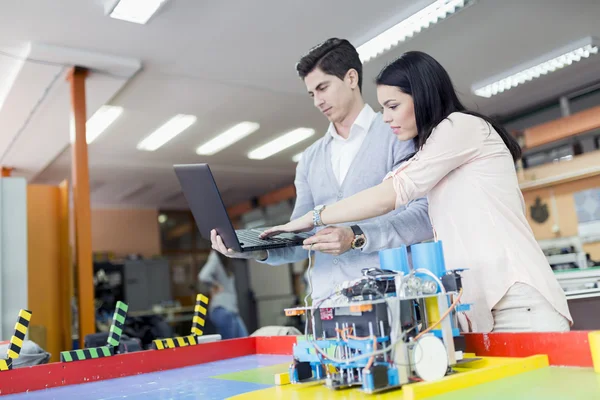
[{"x": 228, "y": 62}]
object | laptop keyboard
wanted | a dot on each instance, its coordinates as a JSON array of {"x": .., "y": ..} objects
[{"x": 250, "y": 238}]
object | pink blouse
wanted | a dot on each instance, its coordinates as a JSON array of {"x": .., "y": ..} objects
[{"x": 477, "y": 210}]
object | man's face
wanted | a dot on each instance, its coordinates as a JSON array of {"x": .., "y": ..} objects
[{"x": 332, "y": 95}]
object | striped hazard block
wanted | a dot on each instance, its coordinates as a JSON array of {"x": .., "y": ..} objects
[
  {"x": 5, "y": 365},
  {"x": 87, "y": 354},
  {"x": 199, "y": 314},
  {"x": 116, "y": 329},
  {"x": 183, "y": 341},
  {"x": 197, "y": 325},
  {"x": 114, "y": 339},
  {"x": 16, "y": 341}
]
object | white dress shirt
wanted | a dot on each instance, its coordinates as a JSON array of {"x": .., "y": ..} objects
[{"x": 343, "y": 151}]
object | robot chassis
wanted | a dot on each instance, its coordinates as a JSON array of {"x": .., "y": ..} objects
[{"x": 381, "y": 337}]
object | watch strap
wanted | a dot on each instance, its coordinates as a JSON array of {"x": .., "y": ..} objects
[
  {"x": 317, "y": 215},
  {"x": 356, "y": 229}
]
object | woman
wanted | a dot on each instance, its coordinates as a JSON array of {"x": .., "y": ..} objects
[
  {"x": 465, "y": 166},
  {"x": 223, "y": 306}
]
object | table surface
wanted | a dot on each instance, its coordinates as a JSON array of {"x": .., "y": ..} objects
[{"x": 251, "y": 377}]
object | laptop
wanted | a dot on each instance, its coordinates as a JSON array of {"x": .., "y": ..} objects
[{"x": 205, "y": 202}]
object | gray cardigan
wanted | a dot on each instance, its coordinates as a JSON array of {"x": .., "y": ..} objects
[{"x": 315, "y": 183}]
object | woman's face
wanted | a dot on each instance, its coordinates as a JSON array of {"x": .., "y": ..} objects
[{"x": 398, "y": 111}]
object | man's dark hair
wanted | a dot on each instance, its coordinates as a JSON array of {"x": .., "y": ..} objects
[{"x": 334, "y": 57}]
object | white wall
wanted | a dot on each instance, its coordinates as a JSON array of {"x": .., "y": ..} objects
[{"x": 13, "y": 253}]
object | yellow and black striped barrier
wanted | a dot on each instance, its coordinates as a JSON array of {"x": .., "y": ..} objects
[
  {"x": 199, "y": 314},
  {"x": 175, "y": 342},
  {"x": 16, "y": 341},
  {"x": 197, "y": 325},
  {"x": 116, "y": 329},
  {"x": 114, "y": 339},
  {"x": 87, "y": 354},
  {"x": 5, "y": 365}
]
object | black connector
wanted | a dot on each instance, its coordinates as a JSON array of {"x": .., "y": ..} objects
[
  {"x": 304, "y": 370},
  {"x": 380, "y": 376},
  {"x": 452, "y": 281}
]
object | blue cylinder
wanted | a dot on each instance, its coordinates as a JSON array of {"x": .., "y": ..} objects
[
  {"x": 394, "y": 259},
  {"x": 429, "y": 256}
]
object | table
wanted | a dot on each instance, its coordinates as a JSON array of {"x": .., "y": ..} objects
[{"x": 244, "y": 369}]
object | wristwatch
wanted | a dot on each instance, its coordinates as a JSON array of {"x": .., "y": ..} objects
[
  {"x": 317, "y": 215},
  {"x": 359, "y": 238}
]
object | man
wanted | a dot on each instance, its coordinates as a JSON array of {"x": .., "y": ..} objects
[{"x": 356, "y": 153}]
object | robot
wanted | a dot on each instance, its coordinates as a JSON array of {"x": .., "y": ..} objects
[{"x": 392, "y": 327}]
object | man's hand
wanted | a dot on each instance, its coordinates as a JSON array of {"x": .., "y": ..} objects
[
  {"x": 333, "y": 240},
  {"x": 218, "y": 245}
]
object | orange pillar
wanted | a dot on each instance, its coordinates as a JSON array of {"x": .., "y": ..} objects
[
  {"x": 66, "y": 266},
  {"x": 81, "y": 205}
]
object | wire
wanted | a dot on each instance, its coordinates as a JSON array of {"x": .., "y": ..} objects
[
  {"x": 310, "y": 289},
  {"x": 384, "y": 350},
  {"x": 381, "y": 351},
  {"x": 309, "y": 273},
  {"x": 310, "y": 292},
  {"x": 448, "y": 311},
  {"x": 391, "y": 324}
]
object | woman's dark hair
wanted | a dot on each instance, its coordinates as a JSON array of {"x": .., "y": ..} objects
[{"x": 422, "y": 77}]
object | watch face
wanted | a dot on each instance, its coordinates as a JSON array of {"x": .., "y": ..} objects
[{"x": 359, "y": 242}]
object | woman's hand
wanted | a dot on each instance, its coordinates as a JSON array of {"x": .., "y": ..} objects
[{"x": 302, "y": 224}]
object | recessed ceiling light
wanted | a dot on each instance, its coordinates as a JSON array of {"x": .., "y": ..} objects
[
  {"x": 407, "y": 28},
  {"x": 281, "y": 143},
  {"x": 101, "y": 120},
  {"x": 227, "y": 138},
  {"x": 166, "y": 132},
  {"x": 137, "y": 11},
  {"x": 543, "y": 65}
]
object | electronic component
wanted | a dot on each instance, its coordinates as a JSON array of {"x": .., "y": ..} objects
[
  {"x": 385, "y": 330},
  {"x": 452, "y": 281}
]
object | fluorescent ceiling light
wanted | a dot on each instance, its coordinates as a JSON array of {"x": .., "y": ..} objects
[
  {"x": 281, "y": 143},
  {"x": 550, "y": 62},
  {"x": 227, "y": 138},
  {"x": 166, "y": 132},
  {"x": 297, "y": 157},
  {"x": 101, "y": 120},
  {"x": 422, "y": 19},
  {"x": 137, "y": 11}
]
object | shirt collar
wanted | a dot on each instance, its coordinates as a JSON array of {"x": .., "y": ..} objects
[{"x": 363, "y": 121}]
